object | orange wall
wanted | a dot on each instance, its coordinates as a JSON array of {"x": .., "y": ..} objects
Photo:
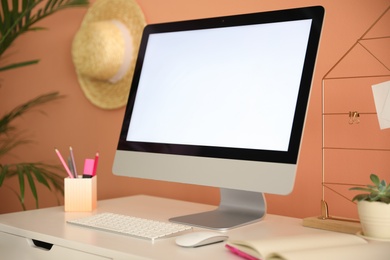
[{"x": 75, "y": 121}]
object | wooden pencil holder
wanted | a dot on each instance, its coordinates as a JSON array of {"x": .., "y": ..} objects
[{"x": 80, "y": 194}]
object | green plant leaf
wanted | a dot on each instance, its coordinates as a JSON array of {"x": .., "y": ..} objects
[
  {"x": 386, "y": 200},
  {"x": 380, "y": 191},
  {"x": 40, "y": 177},
  {"x": 18, "y": 111},
  {"x": 375, "y": 179},
  {"x": 17, "y": 65},
  {"x": 32, "y": 185},
  {"x": 7, "y": 144},
  {"x": 21, "y": 183},
  {"x": 19, "y": 198},
  {"x": 40, "y": 172},
  {"x": 56, "y": 181},
  {"x": 374, "y": 196},
  {"x": 360, "y": 197},
  {"x": 3, "y": 173},
  {"x": 361, "y": 189}
]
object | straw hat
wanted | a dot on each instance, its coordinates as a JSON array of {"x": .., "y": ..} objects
[{"x": 105, "y": 49}]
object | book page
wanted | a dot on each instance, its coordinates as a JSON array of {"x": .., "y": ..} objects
[
  {"x": 263, "y": 248},
  {"x": 355, "y": 252}
]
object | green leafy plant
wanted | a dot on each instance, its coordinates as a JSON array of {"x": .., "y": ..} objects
[
  {"x": 379, "y": 191},
  {"x": 16, "y": 18},
  {"x": 10, "y": 138}
]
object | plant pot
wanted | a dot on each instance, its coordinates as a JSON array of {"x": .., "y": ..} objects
[{"x": 375, "y": 219}]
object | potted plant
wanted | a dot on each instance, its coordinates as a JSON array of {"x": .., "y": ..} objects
[
  {"x": 16, "y": 18},
  {"x": 374, "y": 208}
]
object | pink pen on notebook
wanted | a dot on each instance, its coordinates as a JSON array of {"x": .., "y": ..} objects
[
  {"x": 240, "y": 253},
  {"x": 64, "y": 163}
]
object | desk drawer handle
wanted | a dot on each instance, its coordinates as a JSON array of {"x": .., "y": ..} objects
[{"x": 42, "y": 245}]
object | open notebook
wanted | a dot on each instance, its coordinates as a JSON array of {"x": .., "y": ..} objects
[{"x": 303, "y": 247}]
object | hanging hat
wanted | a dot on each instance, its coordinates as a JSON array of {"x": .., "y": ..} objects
[{"x": 105, "y": 49}]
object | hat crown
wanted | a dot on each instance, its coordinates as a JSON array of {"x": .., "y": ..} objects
[{"x": 100, "y": 50}]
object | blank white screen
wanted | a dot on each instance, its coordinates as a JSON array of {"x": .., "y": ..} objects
[{"x": 227, "y": 87}]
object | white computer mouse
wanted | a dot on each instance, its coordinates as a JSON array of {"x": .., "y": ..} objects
[{"x": 200, "y": 238}]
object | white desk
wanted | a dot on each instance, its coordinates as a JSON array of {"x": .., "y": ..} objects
[{"x": 73, "y": 242}]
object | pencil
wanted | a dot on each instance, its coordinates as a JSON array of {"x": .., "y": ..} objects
[
  {"x": 64, "y": 163},
  {"x": 70, "y": 165},
  {"x": 73, "y": 162}
]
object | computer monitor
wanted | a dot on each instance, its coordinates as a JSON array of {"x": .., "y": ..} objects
[{"x": 222, "y": 102}]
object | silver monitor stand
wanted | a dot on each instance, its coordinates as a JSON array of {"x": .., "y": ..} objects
[{"x": 236, "y": 208}]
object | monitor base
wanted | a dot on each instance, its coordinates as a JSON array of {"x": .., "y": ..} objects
[{"x": 236, "y": 208}]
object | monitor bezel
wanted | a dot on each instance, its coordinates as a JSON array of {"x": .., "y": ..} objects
[{"x": 315, "y": 13}]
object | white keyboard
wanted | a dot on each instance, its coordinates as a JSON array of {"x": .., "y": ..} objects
[{"x": 131, "y": 226}]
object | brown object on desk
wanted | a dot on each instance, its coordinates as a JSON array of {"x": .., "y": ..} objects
[{"x": 338, "y": 225}]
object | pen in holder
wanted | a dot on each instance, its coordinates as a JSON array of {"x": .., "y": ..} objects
[{"x": 80, "y": 194}]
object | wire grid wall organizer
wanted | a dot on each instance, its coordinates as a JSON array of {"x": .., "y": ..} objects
[{"x": 374, "y": 69}]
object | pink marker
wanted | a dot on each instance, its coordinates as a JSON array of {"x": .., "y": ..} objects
[{"x": 88, "y": 168}]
